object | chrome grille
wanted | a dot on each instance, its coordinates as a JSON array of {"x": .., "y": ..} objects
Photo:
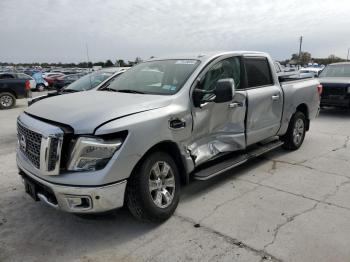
[
  {"x": 42, "y": 149},
  {"x": 29, "y": 144},
  {"x": 334, "y": 89}
]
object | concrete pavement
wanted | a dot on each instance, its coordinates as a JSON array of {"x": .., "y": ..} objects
[{"x": 284, "y": 206}]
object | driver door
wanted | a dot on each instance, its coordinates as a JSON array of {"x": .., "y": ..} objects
[{"x": 219, "y": 128}]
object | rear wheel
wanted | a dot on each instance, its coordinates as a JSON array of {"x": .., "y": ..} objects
[
  {"x": 40, "y": 87},
  {"x": 295, "y": 135},
  {"x": 153, "y": 189},
  {"x": 7, "y": 100}
]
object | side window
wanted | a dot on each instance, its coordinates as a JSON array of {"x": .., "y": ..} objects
[
  {"x": 258, "y": 71},
  {"x": 278, "y": 69},
  {"x": 227, "y": 68},
  {"x": 23, "y": 76},
  {"x": 6, "y": 76}
]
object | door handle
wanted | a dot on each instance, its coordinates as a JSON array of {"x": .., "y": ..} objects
[
  {"x": 235, "y": 105},
  {"x": 275, "y": 97}
]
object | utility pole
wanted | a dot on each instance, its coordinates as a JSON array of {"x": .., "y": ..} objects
[
  {"x": 87, "y": 54},
  {"x": 347, "y": 58},
  {"x": 300, "y": 44}
]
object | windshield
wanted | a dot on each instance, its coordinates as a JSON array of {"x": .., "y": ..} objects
[
  {"x": 336, "y": 71},
  {"x": 164, "y": 77},
  {"x": 89, "y": 81}
]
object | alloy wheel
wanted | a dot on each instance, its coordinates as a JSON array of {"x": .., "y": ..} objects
[{"x": 162, "y": 184}]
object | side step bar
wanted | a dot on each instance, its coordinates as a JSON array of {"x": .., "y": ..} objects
[{"x": 221, "y": 167}]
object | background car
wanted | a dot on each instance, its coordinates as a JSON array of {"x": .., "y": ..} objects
[
  {"x": 314, "y": 71},
  {"x": 14, "y": 86},
  {"x": 335, "y": 79},
  {"x": 51, "y": 78},
  {"x": 85, "y": 83},
  {"x": 41, "y": 83},
  {"x": 63, "y": 81},
  {"x": 20, "y": 76}
]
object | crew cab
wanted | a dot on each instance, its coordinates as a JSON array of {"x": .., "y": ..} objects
[
  {"x": 335, "y": 79},
  {"x": 14, "y": 86},
  {"x": 138, "y": 139}
]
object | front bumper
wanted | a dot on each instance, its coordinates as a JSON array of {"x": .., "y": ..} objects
[{"x": 77, "y": 199}]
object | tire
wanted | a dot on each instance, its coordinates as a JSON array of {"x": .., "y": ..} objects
[
  {"x": 295, "y": 135},
  {"x": 7, "y": 100},
  {"x": 147, "y": 197},
  {"x": 40, "y": 87}
]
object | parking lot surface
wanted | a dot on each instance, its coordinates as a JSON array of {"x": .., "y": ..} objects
[{"x": 284, "y": 206}]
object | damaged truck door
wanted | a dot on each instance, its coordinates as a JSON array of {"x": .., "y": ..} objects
[{"x": 218, "y": 126}]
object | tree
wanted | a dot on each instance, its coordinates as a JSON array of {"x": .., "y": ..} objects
[
  {"x": 121, "y": 63},
  {"x": 305, "y": 57},
  {"x": 98, "y": 64},
  {"x": 108, "y": 63},
  {"x": 138, "y": 60}
]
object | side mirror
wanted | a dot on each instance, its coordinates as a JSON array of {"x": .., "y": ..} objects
[{"x": 224, "y": 91}]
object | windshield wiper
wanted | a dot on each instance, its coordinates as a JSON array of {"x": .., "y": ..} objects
[
  {"x": 129, "y": 91},
  {"x": 69, "y": 90},
  {"x": 108, "y": 89}
]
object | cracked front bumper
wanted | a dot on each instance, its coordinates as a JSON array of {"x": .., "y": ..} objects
[{"x": 75, "y": 199}]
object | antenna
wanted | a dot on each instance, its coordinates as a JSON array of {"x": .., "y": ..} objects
[{"x": 87, "y": 52}]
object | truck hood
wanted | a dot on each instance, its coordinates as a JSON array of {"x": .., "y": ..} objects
[
  {"x": 334, "y": 80},
  {"x": 84, "y": 111}
]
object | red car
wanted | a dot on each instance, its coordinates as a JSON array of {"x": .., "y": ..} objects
[{"x": 51, "y": 78}]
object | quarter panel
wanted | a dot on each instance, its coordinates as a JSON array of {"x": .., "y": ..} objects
[{"x": 297, "y": 93}]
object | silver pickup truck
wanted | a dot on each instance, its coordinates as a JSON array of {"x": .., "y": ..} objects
[{"x": 138, "y": 139}]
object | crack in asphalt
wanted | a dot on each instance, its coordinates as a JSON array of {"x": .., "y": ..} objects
[
  {"x": 299, "y": 164},
  {"x": 291, "y": 218},
  {"x": 3, "y": 219},
  {"x": 345, "y": 145},
  {"x": 273, "y": 167},
  {"x": 338, "y": 187},
  {"x": 299, "y": 195},
  {"x": 288, "y": 220},
  {"x": 227, "y": 201},
  {"x": 261, "y": 253}
]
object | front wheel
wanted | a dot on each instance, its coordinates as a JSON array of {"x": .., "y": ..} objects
[
  {"x": 7, "y": 100},
  {"x": 152, "y": 192},
  {"x": 295, "y": 135}
]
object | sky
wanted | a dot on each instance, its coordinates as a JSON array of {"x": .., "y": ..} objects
[{"x": 60, "y": 30}]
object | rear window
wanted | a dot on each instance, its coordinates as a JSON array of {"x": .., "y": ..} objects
[{"x": 258, "y": 71}]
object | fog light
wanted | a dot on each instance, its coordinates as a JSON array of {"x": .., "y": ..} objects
[{"x": 79, "y": 203}]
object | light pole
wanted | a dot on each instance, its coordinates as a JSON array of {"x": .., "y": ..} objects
[
  {"x": 300, "y": 44},
  {"x": 347, "y": 58}
]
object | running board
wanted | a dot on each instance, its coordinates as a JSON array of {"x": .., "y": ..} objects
[{"x": 230, "y": 163}]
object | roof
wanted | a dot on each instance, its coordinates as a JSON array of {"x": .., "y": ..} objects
[{"x": 204, "y": 56}]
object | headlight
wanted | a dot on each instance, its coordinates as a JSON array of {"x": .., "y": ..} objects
[{"x": 92, "y": 153}]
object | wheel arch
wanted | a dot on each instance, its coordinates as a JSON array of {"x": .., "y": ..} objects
[
  {"x": 7, "y": 90},
  {"x": 303, "y": 108},
  {"x": 173, "y": 150}
]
